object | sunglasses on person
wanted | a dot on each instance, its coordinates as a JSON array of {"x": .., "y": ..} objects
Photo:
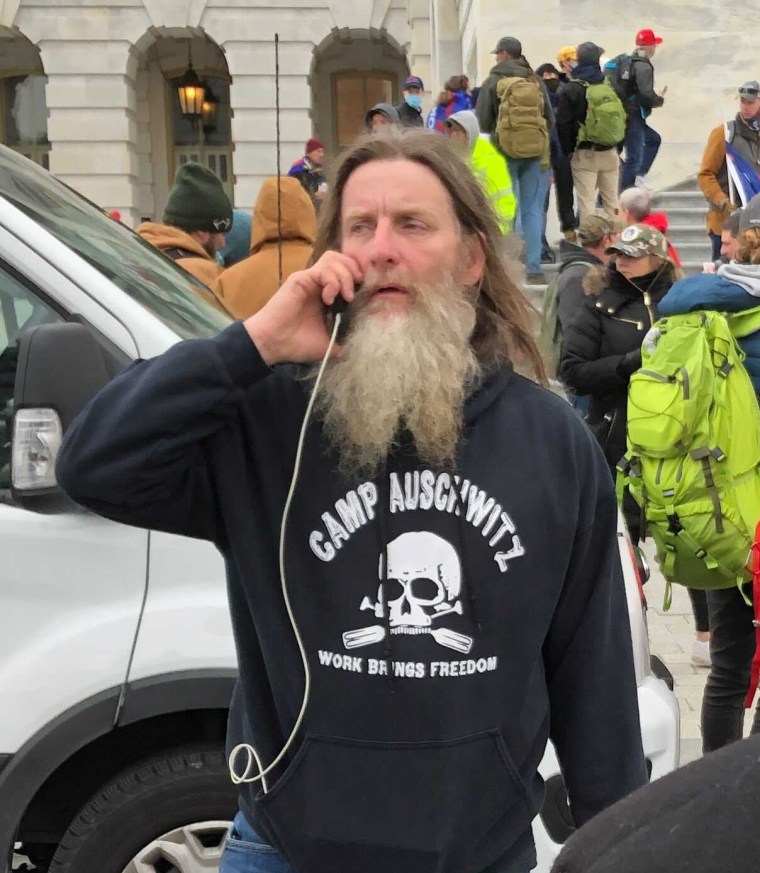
[{"x": 748, "y": 92}]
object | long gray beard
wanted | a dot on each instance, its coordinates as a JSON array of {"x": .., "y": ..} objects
[{"x": 409, "y": 370}]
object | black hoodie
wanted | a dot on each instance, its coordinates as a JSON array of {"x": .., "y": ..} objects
[{"x": 506, "y": 608}]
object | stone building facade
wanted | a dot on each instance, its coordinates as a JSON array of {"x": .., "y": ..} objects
[{"x": 88, "y": 87}]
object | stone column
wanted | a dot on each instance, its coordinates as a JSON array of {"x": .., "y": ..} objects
[
  {"x": 446, "y": 54},
  {"x": 252, "y": 96},
  {"x": 420, "y": 46}
]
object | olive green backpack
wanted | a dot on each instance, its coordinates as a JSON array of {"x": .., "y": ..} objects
[
  {"x": 693, "y": 459},
  {"x": 521, "y": 128}
]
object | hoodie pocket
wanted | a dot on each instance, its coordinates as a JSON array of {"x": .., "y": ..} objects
[{"x": 438, "y": 807}]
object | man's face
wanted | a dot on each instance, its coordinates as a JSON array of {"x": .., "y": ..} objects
[
  {"x": 379, "y": 121},
  {"x": 316, "y": 156},
  {"x": 608, "y": 239},
  {"x": 407, "y": 360},
  {"x": 749, "y": 106},
  {"x": 397, "y": 218},
  {"x": 727, "y": 245},
  {"x": 458, "y": 135},
  {"x": 211, "y": 242},
  {"x": 412, "y": 90},
  {"x": 501, "y": 56}
]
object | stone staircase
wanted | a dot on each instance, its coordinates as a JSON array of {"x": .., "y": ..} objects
[{"x": 686, "y": 207}]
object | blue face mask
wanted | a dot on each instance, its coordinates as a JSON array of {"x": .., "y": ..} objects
[{"x": 414, "y": 100}]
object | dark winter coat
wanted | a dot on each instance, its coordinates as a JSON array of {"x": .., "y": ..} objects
[
  {"x": 572, "y": 107},
  {"x": 487, "y": 108},
  {"x": 642, "y": 98},
  {"x": 701, "y": 818},
  {"x": 575, "y": 262},
  {"x": 410, "y": 117},
  {"x": 602, "y": 347}
]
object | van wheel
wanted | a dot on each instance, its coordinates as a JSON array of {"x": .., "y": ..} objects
[{"x": 167, "y": 815}]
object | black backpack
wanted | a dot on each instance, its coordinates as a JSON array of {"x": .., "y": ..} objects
[{"x": 619, "y": 72}]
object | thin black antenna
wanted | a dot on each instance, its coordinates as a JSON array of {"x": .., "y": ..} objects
[{"x": 277, "y": 125}]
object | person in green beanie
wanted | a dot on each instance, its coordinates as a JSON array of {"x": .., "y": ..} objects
[{"x": 196, "y": 219}]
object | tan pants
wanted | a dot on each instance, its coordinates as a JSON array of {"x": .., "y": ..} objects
[{"x": 594, "y": 170}]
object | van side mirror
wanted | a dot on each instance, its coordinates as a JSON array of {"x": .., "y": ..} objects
[{"x": 60, "y": 367}]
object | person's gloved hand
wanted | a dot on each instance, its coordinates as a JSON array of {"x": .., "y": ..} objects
[
  {"x": 727, "y": 207},
  {"x": 629, "y": 363}
]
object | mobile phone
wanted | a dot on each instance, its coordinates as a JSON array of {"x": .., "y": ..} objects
[{"x": 340, "y": 306}]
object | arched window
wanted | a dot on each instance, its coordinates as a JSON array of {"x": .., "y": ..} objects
[
  {"x": 206, "y": 140},
  {"x": 166, "y": 138}
]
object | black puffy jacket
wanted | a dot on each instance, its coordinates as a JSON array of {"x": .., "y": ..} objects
[{"x": 615, "y": 317}]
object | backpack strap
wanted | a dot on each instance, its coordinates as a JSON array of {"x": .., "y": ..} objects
[
  {"x": 177, "y": 253},
  {"x": 729, "y": 131}
]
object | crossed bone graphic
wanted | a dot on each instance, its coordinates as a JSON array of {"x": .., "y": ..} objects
[{"x": 375, "y": 633}]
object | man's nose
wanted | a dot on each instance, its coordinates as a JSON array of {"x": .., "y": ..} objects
[{"x": 383, "y": 248}]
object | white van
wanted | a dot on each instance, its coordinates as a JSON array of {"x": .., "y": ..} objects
[{"x": 116, "y": 655}]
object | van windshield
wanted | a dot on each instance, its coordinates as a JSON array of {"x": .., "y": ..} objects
[{"x": 133, "y": 265}]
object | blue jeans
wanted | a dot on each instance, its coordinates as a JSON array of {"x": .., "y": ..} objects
[
  {"x": 641, "y": 146},
  {"x": 529, "y": 184},
  {"x": 246, "y": 852}
]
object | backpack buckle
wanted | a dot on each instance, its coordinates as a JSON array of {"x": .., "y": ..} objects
[{"x": 674, "y": 525}]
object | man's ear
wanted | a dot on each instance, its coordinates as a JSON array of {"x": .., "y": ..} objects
[{"x": 475, "y": 258}]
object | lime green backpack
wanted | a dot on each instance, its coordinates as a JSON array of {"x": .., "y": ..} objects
[{"x": 693, "y": 459}]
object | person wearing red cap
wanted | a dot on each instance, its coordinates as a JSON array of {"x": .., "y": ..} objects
[
  {"x": 309, "y": 171},
  {"x": 635, "y": 85}
]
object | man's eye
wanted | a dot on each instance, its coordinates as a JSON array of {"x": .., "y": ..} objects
[
  {"x": 414, "y": 225},
  {"x": 359, "y": 227}
]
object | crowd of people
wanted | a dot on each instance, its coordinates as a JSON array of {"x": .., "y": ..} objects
[{"x": 583, "y": 123}]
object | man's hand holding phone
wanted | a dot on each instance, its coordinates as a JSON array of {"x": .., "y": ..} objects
[{"x": 291, "y": 327}]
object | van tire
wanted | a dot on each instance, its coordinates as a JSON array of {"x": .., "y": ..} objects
[{"x": 143, "y": 803}]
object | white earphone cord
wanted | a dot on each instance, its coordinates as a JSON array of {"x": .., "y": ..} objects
[{"x": 253, "y": 757}]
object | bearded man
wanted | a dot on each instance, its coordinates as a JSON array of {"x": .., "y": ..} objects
[{"x": 445, "y": 592}]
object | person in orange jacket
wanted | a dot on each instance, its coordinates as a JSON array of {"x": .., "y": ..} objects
[
  {"x": 248, "y": 285},
  {"x": 743, "y": 133}
]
